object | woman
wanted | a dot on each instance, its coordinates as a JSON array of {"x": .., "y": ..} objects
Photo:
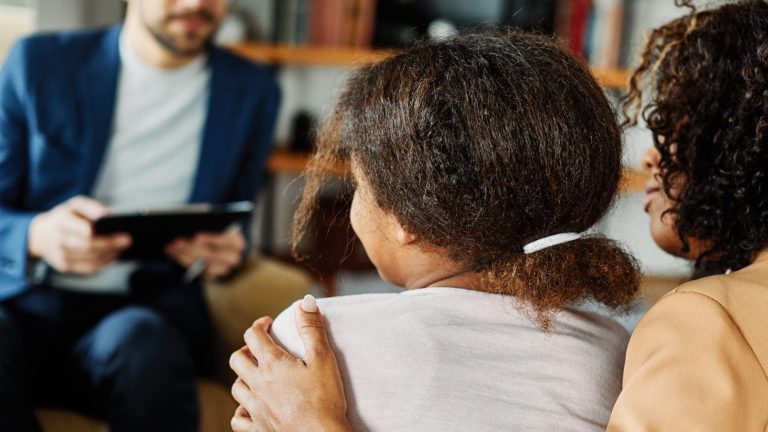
[
  {"x": 698, "y": 360},
  {"x": 476, "y": 171}
]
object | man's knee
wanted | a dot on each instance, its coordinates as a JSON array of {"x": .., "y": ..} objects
[
  {"x": 137, "y": 339},
  {"x": 143, "y": 371}
]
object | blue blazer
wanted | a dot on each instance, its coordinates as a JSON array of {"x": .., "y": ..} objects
[{"x": 57, "y": 98}]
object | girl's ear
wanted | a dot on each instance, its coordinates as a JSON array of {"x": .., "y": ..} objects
[{"x": 404, "y": 237}]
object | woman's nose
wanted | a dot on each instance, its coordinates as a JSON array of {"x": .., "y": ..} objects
[{"x": 650, "y": 159}]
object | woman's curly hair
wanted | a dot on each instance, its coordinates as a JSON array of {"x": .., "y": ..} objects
[{"x": 702, "y": 88}]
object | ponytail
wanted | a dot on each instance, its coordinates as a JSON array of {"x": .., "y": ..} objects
[{"x": 550, "y": 279}]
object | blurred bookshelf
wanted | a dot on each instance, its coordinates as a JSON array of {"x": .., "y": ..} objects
[
  {"x": 349, "y": 33},
  {"x": 297, "y": 55}
]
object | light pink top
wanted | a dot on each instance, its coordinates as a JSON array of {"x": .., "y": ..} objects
[{"x": 446, "y": 359}]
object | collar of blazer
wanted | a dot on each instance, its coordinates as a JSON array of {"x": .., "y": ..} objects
[{"x": 762, "y": 257}]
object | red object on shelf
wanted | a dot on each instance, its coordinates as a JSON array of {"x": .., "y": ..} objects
[
  {"x": 363, "y": 21},
  {"x": 341, "y": 23},
  {"x": 578, "y": 25}
]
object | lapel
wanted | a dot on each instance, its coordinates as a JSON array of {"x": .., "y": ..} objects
[
  {"x": 96, "y": 92},
  {"x": 219, "y": 134}
]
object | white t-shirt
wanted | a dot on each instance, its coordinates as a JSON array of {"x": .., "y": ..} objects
[
  {"x": 152, "y": 156},
  {"x": 447, "y": 359}
]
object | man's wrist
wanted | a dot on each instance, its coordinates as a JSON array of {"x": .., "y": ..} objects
[
  {"x": 234, "y": 271},
  {"x": 34, "y": 249}
]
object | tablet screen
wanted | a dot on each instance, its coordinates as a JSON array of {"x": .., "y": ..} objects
[{"x": 152, "y": 229}]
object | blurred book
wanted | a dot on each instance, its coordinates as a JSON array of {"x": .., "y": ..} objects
[
  {"x": 326, "y": 23},
  {"x": 593, "y": 29},
  {"x": 606, "y": 33}
]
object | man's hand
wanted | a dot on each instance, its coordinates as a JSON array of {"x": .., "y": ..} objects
[
  {"x": 64, "y": 238},
  {"x": 278, "y": 392},
  {"x": 221, "y": 253}
]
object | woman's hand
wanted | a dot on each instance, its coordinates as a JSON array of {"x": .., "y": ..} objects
[{"x": 278, "y": 392}]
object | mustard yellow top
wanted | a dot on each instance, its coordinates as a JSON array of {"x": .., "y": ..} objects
[{"x": 698, "y": 360}]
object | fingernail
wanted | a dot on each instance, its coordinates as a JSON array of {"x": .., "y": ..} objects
[{"x": 309, "y": 304}]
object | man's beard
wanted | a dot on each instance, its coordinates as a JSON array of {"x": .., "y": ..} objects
[{"x": 168, "y": 42}]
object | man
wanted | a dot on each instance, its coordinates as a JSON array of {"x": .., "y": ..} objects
[{"x": 147, "y": 114}]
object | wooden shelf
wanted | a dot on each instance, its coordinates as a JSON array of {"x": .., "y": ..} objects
[
  {"x": 300, "y": 55},
  {"x": 634, "y": 181},
  {"x": 286, "y": 162},
  {"x": 614, "y": 79},
  {"x": 296, "y": 55}
]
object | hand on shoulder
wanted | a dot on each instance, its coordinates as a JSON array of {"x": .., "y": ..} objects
[{"x": 278, "y": 392}]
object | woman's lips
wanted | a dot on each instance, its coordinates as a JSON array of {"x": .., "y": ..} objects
[{"x": 650, "y": 194}]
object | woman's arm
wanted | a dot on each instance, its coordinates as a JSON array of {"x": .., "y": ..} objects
[{"x": 278, "y": 392}]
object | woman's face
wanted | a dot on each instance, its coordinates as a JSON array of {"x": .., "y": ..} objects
[{"x": 655, "y": 203}]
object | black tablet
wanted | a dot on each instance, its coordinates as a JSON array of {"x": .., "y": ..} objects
[{"x": 152, "y": 229}]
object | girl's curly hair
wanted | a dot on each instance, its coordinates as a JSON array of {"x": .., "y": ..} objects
[{"x": 702, "y": 88}]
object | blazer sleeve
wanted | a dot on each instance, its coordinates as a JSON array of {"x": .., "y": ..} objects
[
  {"x": 689, "y": 368},
  {"x": 14, "y": 221},
  {"x": 254, "y": 160}
]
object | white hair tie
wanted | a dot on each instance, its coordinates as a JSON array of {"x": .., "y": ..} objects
[{"x": 550, "y": 241}]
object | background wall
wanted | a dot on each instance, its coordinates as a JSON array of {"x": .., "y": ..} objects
[
  {"x": 627, "y": 221},
  {"x": 74, "y": 14},
  {"x": 17, "y": 17}
]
